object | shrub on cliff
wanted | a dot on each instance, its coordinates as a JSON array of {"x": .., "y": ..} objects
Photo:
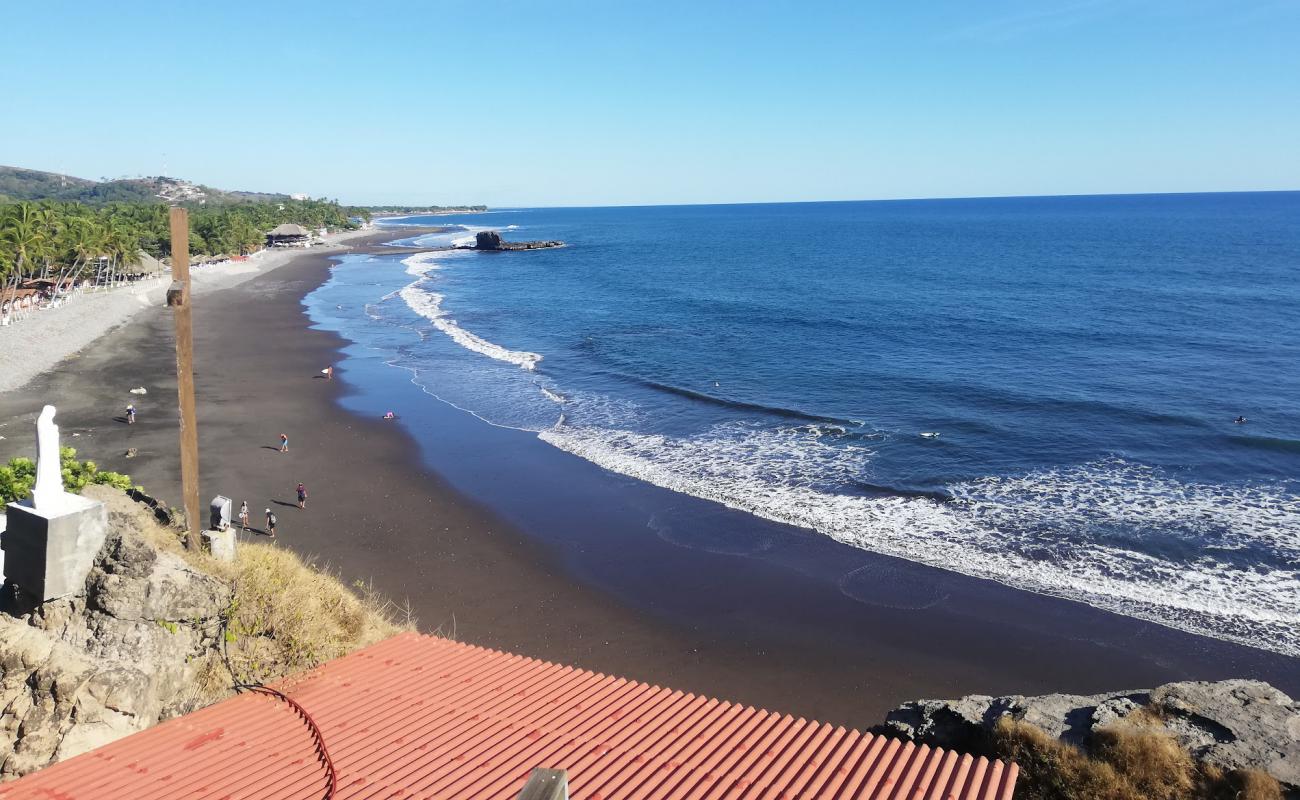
[
  {"x": 1123, "y": 762},
  {"x": 289, "y": 615},
  {"x": 19, "y": 476}
]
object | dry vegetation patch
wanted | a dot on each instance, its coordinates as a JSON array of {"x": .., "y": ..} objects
[
  {"x": 1124, "y": 762},
  {"x": 289, "y": 615}
]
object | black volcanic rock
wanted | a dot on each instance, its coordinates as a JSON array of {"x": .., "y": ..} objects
[
  {"x": 487, "y": 240},
  {"x": 491, "y": 240}
]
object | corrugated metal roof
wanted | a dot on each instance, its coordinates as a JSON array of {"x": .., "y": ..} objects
[{"x": 421, "y": 717}]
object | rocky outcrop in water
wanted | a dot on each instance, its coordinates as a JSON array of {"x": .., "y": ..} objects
[
  {"x": 1234, "y": 724},
  {"x": 79, "y": 672},
  {"x": 491, "y": 240}
]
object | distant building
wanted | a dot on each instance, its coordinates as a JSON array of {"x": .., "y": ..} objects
[
  {"x": 299, "y": 197},
  {"x": 288, "y": 235}
]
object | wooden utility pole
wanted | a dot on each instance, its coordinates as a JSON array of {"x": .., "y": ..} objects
[{"x": 179, "y": 298}]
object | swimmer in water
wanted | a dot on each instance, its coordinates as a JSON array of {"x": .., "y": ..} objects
[{"x": 1240, "y": 420}]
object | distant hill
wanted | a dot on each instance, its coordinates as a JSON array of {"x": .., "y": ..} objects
[{"x": 17, "y": 183}]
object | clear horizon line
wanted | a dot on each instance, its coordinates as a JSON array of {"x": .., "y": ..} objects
[{"x": 867, "y": 199}]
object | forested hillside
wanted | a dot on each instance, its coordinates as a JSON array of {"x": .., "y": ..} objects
[{"x": 17, "y": 183}]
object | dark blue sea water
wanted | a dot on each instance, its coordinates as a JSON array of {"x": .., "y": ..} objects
[{"x": 1040, "y": 391}]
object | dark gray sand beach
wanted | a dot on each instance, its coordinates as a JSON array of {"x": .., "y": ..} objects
[{"x": 500, "y": 540}]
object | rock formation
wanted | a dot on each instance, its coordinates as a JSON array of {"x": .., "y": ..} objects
[
  {"x": 491, "y": 240},
  {"x": 79, "y": 672},
  {"x": 1234, "y": 724}
]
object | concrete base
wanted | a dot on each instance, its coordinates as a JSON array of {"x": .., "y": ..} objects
[
  {"x": 50, "y": 553},
  {"x": 221, "y": 544}
]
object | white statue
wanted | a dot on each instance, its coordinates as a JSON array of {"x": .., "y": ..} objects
[{"x": 48, "y": 494}]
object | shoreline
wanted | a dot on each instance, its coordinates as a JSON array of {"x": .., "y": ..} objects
[{"x": 501, "y": 540}]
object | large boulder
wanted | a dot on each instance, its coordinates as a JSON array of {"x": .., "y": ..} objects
[
  {"x": 79, "y": 672},
  {"x": 487, "y": 240},
  {"x": 1234, "y": 724}
]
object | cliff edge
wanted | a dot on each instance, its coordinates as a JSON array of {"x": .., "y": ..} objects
[{"x": 157, "y": 634}]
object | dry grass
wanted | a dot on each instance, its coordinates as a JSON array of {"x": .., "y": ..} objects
[
  {"x": 287, "y": 615},
  {"x": 1120, "y": 763}
]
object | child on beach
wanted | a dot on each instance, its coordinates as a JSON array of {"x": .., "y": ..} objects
[
  {"x": 284, "y": 443},
  {"x": 130, "y": 413},
  {"x": 302, "y": 496},
  {"x": 243, "y": 515},
  {"x": 270, "y": 523},
  {"x": 328, "y": 372}
]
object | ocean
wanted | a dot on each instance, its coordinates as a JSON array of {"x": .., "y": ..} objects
[{"x": 1036, "y": 391}]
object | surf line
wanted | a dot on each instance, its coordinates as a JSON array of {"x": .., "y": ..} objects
[{"x": 428, "y": 304}]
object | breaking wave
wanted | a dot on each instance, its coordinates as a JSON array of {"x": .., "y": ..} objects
[
  {"x": 1056, "y": 532},
  {"x": 428, "y": 304}
]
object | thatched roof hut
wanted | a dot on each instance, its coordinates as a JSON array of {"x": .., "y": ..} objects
[
  {"x": 288, "y": 229},
  {"x": 288, "y": 234}
]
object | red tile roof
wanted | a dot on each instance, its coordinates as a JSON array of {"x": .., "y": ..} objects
[{"x": 421, "y": 717}]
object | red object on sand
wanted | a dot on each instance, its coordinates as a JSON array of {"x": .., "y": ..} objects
[{"x": 418, "y": 716}]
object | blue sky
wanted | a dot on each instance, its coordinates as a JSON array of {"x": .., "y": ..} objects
[{"x": 595, "y": 103}]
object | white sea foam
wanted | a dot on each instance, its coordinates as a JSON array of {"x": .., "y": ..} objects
[
  {"x": 995, "y": 528},
  {"x": 421, "y": 264},
  {"x": 428, "y": 304}
]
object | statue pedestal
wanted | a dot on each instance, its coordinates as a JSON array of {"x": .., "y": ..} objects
[
  {"x": 221, "y": 544},
  {"x": 49, "y": 553}
]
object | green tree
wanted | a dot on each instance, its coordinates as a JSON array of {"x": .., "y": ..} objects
[{"x": 19, "y": 476}]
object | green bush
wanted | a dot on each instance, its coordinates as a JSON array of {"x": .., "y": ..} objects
[{"x": 18, "y": 478}]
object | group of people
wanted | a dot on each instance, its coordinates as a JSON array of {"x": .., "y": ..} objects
[
  {"x": 271, "y": 519},
  {"x": 301, "y": 491}
]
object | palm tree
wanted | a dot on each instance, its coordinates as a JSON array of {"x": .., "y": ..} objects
[
  {"x": 24, "y": 234},
  {"x": 122, "y": 243},
  {"x": 85, "y": 240}
]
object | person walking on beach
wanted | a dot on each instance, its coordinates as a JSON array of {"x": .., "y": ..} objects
[
  {"x": 130, "y": 413},
  {"x": 243, "y": 515},
  {"x": 329, "y": 372},
  {"x": 270, "y": 523},
  {"x": 302, "y": 496},
  {"x": 284, "y": 443}
]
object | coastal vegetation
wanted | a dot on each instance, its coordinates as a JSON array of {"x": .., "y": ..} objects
[
  {"x": 19, "y": 476},
  {"x": 64, "y": 241}
]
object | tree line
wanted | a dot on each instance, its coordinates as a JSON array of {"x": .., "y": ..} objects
[{"x": 63, "y": 240}]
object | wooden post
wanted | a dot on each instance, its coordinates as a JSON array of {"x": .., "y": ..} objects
[
  {"x": 546, "y": 784},
  {"x": 179, "y": 297}
]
